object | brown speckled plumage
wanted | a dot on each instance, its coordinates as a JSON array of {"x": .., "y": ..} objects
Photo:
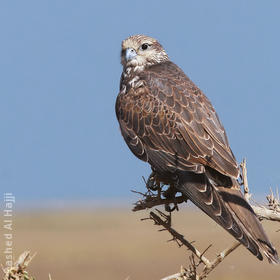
[{"x": 167, "y": 121}]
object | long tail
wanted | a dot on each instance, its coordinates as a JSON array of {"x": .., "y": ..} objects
[{"x": 230, "y": 210}]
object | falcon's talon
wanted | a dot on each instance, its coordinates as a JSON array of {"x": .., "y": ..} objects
[
  {"x": 152, "y": 182},
  {"x": 170, "y": 192}
]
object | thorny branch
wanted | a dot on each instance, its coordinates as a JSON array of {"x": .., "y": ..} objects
[
  {"x": 164, "y": 220},
  {"x": 156, "y": 196},
  {"x": 179, "y": 238}
]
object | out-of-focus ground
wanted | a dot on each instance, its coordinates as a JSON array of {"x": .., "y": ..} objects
[{"x": 114, "y": 244}]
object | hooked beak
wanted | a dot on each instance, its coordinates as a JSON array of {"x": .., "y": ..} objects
[{"x": 130, "y": 54}]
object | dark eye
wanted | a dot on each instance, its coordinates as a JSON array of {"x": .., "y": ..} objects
[{"x": 144, "y": 46}]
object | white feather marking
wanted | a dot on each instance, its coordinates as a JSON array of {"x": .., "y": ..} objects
[
  {"x": 123, "y": 90},
  {"x": 128, "y": 70},
  {"x": 204, "y": 190},
  {"x": 133, "y": 81},
  {"x": 138, "y": 68},
  {"x": 211, "y": 200},
  {"x": 139, "y": 84}
]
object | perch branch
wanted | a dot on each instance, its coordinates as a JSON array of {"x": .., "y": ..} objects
[
  {"x": 150, "y": 201},
  {"x": 152, "y": 198},
  {"x": 272, "y": 211}
]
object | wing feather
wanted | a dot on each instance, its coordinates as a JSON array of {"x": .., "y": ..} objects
[{"x": 171, "y": 116}]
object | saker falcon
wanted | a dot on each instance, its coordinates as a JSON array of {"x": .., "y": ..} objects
[{"x": 167, "y": 121}]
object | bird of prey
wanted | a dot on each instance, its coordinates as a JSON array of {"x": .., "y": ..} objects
[{"x": 167, "y": 121}]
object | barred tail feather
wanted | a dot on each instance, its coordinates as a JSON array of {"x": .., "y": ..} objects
[{"x": 229, "y": 209}]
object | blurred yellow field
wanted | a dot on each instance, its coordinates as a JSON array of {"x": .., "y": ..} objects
[{"x": 114, "y": 244}]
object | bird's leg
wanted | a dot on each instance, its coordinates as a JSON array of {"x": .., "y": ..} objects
[{"x": 170, "y": 193}]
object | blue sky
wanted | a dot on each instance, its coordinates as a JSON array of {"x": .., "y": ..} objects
[{"x": 60, "y": 72}]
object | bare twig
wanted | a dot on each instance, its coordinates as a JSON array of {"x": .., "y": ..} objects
[
  {"x": 172, "y": 277},
  {"x": 219, "y": 259},
  {"x": 243, "y": 167},
  {"x": 270, "y": 212}
]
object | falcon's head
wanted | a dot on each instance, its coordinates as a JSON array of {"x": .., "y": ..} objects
[{"x": 141, "y": 50}]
